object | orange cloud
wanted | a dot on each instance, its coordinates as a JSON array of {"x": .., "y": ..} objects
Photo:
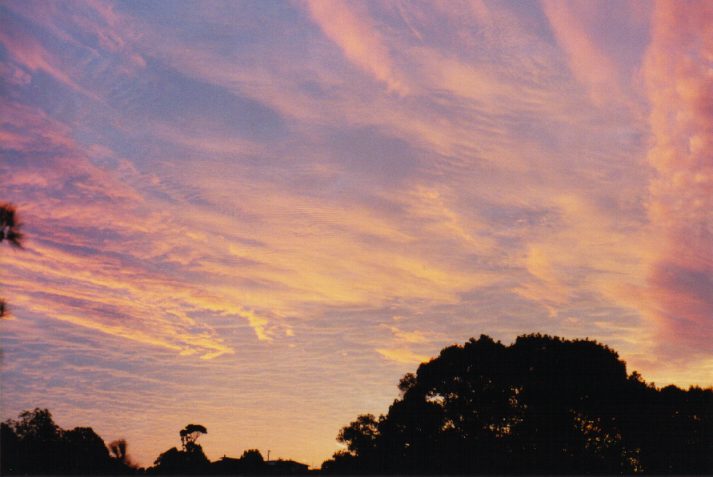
[
  {"x": 410, "y": 337},
  {"x": 401, "y": 355}
]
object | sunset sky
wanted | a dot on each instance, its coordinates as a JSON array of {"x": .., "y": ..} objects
[{"x": 257, "y": 216}]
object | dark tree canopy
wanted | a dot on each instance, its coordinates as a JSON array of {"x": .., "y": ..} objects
[
  {"x": 190, "y": 460},
  {"x": 252, "y": 456},
  {"x": 252, "y": 461},
  {"x": 360, "y": 436},
  {"x": 190, "y": 434},
  {"x": 178, "y": 462},
  {"x": 540, "y": 405},
  {"x": 34, "y": 444}
]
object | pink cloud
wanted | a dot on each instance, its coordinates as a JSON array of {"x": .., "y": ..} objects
[
  {"x": 680, "y": 88},
  {"x": 27, "y": 52},
  {"x": 353, "y": 31},
  {"x": 587, "y": 61}
]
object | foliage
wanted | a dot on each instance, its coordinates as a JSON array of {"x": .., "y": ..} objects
[
  {"x": 34, "y": 444},
  {"x": 175, "y": 461},
  {"x": 190, "y": 460},
  {"x": 190, "y": 434},
  {"x": 252, "y": 457},
  {"x": 540, "y": 405}
]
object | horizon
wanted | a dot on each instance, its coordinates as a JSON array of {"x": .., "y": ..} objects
[
  {"x": 261, "y": 215},
  {"x": 604, "y": 373}
]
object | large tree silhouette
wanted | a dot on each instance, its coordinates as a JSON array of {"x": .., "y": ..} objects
[
  {"x": 34, "y": 444},
  {"x": 541, "y": 405}
]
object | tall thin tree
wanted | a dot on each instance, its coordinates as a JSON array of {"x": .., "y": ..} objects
[{"x": 10, "y": 226}]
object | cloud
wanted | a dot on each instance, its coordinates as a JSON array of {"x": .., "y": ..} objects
[
  {"x": 106, "y": 290},
  {"x": 481, "y": 134},
  {"x": 93, "y": 30},
  {"x": 410, "y": 337},
  {"x": 349, "y": 26},
  {"x": 680, "y": 88},
  {"x": 270, "y": 201},
  {"x": 28, "y": 53},
  {"x": 589, "y": 64},
  {"x": 401, "y": 355}
]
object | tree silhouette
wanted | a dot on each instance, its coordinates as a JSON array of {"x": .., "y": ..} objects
[
  {"x": 252, "y": 461},
  {"x": 118, "y": 451},
  {"x": 34, "y": 444},
  {"x": 10, "y": 459},
  {"x": 84, "y": 452},
  {"x": 540, "y": 405},
  {"x": 172, "y": 461},
  {"x": 190, "y": 460},
  {"x": 360, "y": 436},
  {"x": 190, "y": 434},
  {"x": 10, "y": 226}
]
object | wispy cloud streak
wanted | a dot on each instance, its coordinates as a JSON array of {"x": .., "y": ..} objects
[
  {"x": 312, "y": 194},
  {"x": 349, "y": 26}
]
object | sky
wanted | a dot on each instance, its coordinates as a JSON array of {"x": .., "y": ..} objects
[{"x": 258, "y": 216}]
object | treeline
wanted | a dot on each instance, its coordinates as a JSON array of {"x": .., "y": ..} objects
[
  {"x": 542, "y": 405},
  {"x": 34, "y": 445}
]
